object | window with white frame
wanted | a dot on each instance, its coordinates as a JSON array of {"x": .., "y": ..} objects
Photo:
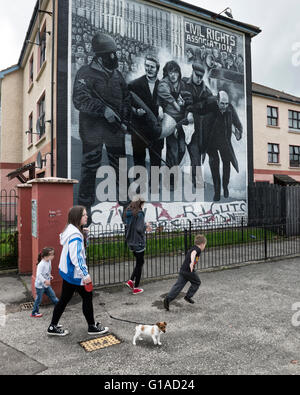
[
  {"x": 272, "y": 116},
  {"x": 41, "y": 115},
  {"x": 294, "y": 156},
  {"x": 31, "y": 70},
  {"x": 273, "y": 153},
  {"x": 294, "y": 120},
  {"x": 42, "y": 48},
  {"x": 30, "y": 129}
]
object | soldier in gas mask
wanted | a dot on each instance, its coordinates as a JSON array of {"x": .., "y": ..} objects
[{"x": 103, "y": 100}]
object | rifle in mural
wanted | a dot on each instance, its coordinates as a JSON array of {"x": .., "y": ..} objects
[{"x": 131, "y": 129}]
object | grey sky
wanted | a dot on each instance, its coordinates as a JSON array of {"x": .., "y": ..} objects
[{"x": 274, "y": 61}]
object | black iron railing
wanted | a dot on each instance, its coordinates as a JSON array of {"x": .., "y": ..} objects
[
  {"x": 8, "y": 230},
  {"x": 229, "y": 243}
]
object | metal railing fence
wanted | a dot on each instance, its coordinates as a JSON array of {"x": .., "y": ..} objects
[{"x": 111, "y": 262}]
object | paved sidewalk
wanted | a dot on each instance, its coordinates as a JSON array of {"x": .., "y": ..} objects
[{"x": 241, "y": 324}]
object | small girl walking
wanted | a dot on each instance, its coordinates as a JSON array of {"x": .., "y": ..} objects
[{"x": 43, "y": 281}]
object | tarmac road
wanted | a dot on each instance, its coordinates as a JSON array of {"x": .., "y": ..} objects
[{"x": 242, "y": 323}]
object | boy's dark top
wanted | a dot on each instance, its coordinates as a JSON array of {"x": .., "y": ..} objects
[{"x": 186, "y": 264}]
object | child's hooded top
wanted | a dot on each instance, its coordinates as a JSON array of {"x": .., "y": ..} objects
[{"x": 72, "y": 265}]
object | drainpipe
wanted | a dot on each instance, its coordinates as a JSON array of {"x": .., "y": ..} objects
[{"x": 52, "y": 88}]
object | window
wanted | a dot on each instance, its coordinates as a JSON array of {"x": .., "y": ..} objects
[
  {"x": 272, "y": 116},
  {"x": 294, "y": 120},
  {"x": 41, "y": 115},
  {"x": 294, "y": 156},
  {"x": 31, "y": 71},
  {"x": 273, "y": 153},
  {"x": 42, "y": 48},
  {"x": 30, "y": 129}
]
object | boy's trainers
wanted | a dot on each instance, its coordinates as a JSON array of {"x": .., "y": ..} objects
[
  {"x": 137, "y": 291},
  {"x": 166, "y": 304},
  {"x": 55, "y": 331},
  {"x": 36, "y": 315},
  {"x": 189, "y": 300},
  {"x": 97, "y": 329},
  {"x": 130, "y": 284}
]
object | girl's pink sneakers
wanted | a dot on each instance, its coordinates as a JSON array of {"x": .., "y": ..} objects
[
  {"x": 36, "y": 315},
  {"x": 130, "y": 284},
  {"x": 137, "y": 291}
]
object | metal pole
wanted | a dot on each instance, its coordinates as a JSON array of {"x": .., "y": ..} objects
[
  {"x": 266, "y": 242},
  {"x": 52, "y": 89}
]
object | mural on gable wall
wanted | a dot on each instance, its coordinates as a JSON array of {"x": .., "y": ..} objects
[{"x": 157, "y": 109}]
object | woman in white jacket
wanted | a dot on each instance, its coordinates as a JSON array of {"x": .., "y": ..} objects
[{"x": 74, "y": 271}]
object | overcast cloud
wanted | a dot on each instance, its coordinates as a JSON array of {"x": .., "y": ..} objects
[{"x": 275, "y": 52}]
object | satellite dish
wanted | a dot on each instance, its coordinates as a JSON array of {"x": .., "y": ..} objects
[{"x": 39, "y": 160}]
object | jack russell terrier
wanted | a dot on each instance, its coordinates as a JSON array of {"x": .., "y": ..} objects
[{"x": 150, "y": 330}]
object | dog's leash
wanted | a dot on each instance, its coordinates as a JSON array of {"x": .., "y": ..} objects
[{"x": 119, "y": 319}]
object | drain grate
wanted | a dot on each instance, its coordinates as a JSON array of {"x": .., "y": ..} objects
[
  {"x": 27, "y": 306},
  {"x": 100, "y": 342}
]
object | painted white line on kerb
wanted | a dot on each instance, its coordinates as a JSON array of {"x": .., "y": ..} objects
[
  {"x": 2, "y": 314},
  {"x": 296, "y": 316}
]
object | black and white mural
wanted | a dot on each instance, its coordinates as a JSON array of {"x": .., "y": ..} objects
[{"x": 157, "y": 108}]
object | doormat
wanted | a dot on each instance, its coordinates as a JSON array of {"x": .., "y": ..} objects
[{"x": 100, "y": 342}]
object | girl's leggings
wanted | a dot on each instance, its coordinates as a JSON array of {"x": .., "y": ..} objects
[
  {"x": 67, "y": 293},
  {"x": 137, "y": 272}
]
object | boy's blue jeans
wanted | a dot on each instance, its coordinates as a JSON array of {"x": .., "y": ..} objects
[
  {"x": 39, "y": 296},
  {"x": 183, "y": 278}
]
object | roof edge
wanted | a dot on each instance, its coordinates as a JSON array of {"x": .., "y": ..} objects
[
  {"x": 29, "y": 31},
  {"x": 181, "y": 6},
  {"x": 210, "y": 16},
  {"x": 8, "y": 70},
  {"x": 276, "y": 96}
]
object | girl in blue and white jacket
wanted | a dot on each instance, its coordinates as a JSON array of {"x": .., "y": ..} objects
[
  {"x": 74, "y": 271},
  {"x": 72, "y": 265}
]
